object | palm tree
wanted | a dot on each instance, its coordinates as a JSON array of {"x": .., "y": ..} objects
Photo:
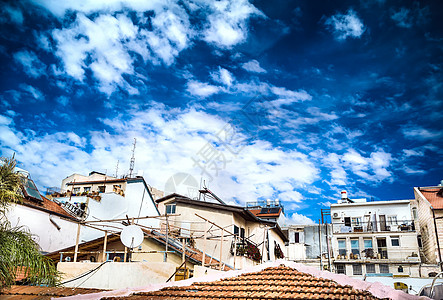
[{"x": 19, "y": 253}]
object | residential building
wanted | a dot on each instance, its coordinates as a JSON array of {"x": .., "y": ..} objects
[
  {"x": 231, "y": 233},
  {"x": 304, "y": 244},
  {"x": 102, "y": 197},
  {"x": 429, "y": 216},
  {"x": 52, "y": 227},
  {"x": 377, "y": 237},
  {"x": 147, "y": 263}
]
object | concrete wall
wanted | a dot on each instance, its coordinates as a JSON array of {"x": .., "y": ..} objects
[
  {"x": 427, "y": 228},
  {"x": 47, "y": 235},
  {"x": 115, "y": 275}
]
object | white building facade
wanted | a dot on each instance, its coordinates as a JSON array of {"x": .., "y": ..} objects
[
  {"x": 101, "y": 197},
  {"x": 374, "y": 238}
]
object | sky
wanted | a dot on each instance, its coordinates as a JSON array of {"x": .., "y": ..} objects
[{"x": 289, "y": 100}]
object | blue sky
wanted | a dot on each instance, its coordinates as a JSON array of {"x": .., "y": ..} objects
[{"x": 295, "y": 100}]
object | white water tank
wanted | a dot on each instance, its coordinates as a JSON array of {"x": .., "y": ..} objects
[{"x": 344, "y": 195}]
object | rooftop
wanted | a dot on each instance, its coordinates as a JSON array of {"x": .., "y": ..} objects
[
  {"x": 434, "y": 195},
  {"x": 278, "y": 280},
  {"x": 20, "y": 292}
]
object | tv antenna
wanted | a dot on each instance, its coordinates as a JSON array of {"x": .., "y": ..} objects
[
  {"x": 131, "y": 165},
  {"x": 132, "y": 236}
]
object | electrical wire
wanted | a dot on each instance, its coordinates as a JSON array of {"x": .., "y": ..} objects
[{"x": 84, "y": 274}]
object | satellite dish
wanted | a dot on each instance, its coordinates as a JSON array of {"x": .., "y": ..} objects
[{"x": 132, "y": 236}]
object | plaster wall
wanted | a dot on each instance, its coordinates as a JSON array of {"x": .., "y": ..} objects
[
  {"x": 115, "y": 275},
  {"x": 47, "y": 235}
]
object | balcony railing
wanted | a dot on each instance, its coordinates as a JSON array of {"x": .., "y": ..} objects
[{"x": 373, "y": 226}]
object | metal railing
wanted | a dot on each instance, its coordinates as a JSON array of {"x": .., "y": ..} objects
[{"x": 373, "y": 226}]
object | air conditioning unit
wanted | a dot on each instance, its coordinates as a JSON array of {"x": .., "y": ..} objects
[{"x": 335, "y": 215}]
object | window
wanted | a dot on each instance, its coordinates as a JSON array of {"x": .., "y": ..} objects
[
  {"x": 342, "y": 247},
  {"x": 400, "y": 269},
  {"x": 384, "y": 268},
  {"x": 395, "y": 241},
  {"x": 236, "y": 230},
  {"x": 368, "y": 243},
  {"x": 87, "y": 189},
  {"x": 340, "y": 269},
  {"x": 382, "y": 248},
  {"x": 414, "y": 213},
  {"x": 356, "y": 221},
  {"x": 419, "y": 241},
  {"x": 355, "y": 249},
  {"x": 170, "y": 209},
  {"x": 356, "y": 269},
  {"x": 370, "y": 268},
  {"x": 76, "y": 190},
  {"x": 242, "y": 233},
  {"x": 348, "y": 221},
  {"x": 102, "y": 189},
  {"x": 297, "y": 237}
]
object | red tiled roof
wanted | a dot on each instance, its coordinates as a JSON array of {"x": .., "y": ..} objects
[
  {"x": 39, "y": 292},
  {"x": 280, "y": 282},
  {"x": 46, "y": 205},
  {"x": 434, "y": 195}
]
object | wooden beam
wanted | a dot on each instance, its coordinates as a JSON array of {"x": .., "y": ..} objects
[
  {"x": 221, "y": 249},
  {"x": 76, "y": 242},
  {"x": 104, "y": 246},
  {"x": 124, "y": 219},
  {"x": 204, "y": 244}
]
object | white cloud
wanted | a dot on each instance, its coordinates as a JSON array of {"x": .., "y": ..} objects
[
  {"x": 34, "y": 92},
  {"x": 253, "y": 66},
  {"x": 420, "y": 133},
  {"x": 223, "y": 76},
  {"x": 167, "y": 141},
  {"x": 228, "y": 22},
  {"x": 201, "y": 89},
  {"x": 345, "y": 25},
  {"x": 31, "y": 64},
  {"x": 298, "y": 219}
]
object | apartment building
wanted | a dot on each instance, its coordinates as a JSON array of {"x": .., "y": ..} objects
[{"x": 374, "y": 238}]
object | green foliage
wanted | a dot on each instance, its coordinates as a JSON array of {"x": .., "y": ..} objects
[
  {"x": 18, "y": 251},
  {"x": 9, "y": 184}
]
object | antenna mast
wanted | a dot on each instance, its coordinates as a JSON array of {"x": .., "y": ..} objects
[
  {"x": 131, "y": 165},
  {"x": 116, "y": 170}
]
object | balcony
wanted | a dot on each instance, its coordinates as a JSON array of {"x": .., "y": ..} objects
[{"x": 373, "y": 226}]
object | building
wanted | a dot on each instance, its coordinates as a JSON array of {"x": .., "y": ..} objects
[
  {"x": 308, "y": 244},
  {"x": 374, "y": 238},
  {"x": 231, "y": 233},
  {"x": 51, "y": 225},
  {"x": 275, "y": 280},
  {"x": 102, "y": 197},
  {"x": 429, "y": 212},
  {"x": 143, "y": 265}
]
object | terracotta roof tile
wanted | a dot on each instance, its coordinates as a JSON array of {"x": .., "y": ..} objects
[
  {"x": 434, "y": 195},
  {"x": 280, "y": 282},
  {"x": 40, "y": 292},
  {"x": 46, "y": 205}
]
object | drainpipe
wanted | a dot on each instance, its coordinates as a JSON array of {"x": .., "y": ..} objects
[{"x": 436, "y": 236}]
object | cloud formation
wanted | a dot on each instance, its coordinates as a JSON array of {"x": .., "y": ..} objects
[{"x": 345, "y": 26}]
